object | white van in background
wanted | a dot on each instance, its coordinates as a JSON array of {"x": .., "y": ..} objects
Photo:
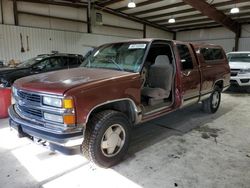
[{"x": 239, "y": 63}]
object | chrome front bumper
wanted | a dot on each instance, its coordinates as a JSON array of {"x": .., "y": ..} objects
[{"x": 58, "y": 140}]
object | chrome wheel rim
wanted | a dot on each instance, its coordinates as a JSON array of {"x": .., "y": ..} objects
[
  {"x": 113, "y": 140},
  {"x": 215, "y": 99}
]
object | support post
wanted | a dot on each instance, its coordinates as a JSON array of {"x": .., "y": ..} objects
[
  {"x": 2, "y": 21},
  {"x": 174, "y": 35},
  {"x": 237, "y": 37},
  {"x": 15, "y": 12},
  {"x": 144, "y": 30},
  {"x": 89, "y": 27}
]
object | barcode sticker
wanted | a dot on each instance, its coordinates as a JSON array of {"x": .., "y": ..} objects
[{"x": 137, "y": 46}]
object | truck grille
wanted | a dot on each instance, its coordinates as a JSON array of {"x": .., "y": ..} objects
[
  {"x": 35, "y": 113},
  {"x": 234, "y": 72},
  {"x": 29, "y": 96},
  {"x": 29, "y": 106},
  {"x": 25, "y": 103},
  {"x": 244, "y": 81}
]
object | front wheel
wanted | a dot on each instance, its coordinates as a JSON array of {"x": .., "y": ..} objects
[
  {"x": 212, "y": 104},
  {"x": 107, "y": 138}
]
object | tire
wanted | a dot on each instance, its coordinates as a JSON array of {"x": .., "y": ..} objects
[
  {"x": 212, "y": 104},
  {"x": 107, "y": 138},
  {"x": 248, "y": 89}
]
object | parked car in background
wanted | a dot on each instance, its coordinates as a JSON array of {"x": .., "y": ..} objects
[
  {"x": 40, "y": 64},
  {"x": 239, "y": 63},
  {"x": 94, "y": 107}
]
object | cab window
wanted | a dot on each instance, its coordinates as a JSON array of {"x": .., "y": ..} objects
[
  {"x": 186, "y": 59},
  {"x": 56, "y": 63},
  {"x": 211, "y": 54},
  {"x": 49, "y": 64}
]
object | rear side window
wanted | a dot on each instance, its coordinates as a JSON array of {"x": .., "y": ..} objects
[
  {"x": 186, "y": 59},
  {"x": 211, "y": 54},
  {"x": 73, "y": 61},
  {"x": 56, "y": 63}
]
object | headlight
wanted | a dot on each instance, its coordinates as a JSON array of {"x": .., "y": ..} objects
[
  {"x": 57, "y": 102},
  {"x": 52, "y": 101},
  {"x": 244, "y": 71}
]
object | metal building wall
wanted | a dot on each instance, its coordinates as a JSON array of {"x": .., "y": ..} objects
[
  {"x": 61, "y": 28},
  {"x": 156, "y": 33},
  {"x": 219, "y": 36},
  {"x": 244, "y": 43},
  {"x": 73, "y": 19},
  {"x": 45, "y": 40}
]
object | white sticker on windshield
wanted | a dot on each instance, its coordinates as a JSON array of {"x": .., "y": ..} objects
[
  {"x": 137, "y": 46},
  {"x": 39, "y": 59}
]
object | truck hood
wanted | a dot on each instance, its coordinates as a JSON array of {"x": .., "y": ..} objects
[
  {"x": 239, "y": 65},
  {"x": 58, "y": 82}
]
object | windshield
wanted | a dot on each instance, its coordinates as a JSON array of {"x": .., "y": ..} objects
[
  {"x": 244, "y": 57},
  {"x": 29, "y": 62},
  {"x": 117, "y": 56}
]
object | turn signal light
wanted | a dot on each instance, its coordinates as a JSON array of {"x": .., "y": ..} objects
[
  {"x": 68, "y": 103},
  {"x": 69, "y": 119}
]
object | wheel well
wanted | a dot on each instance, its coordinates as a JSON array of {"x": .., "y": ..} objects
[
  {"x": 124, "y": 106},
  {"x": 219, "y": 84}
]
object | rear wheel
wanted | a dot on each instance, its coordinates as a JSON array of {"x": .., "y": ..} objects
[
  {"x": 212, "y": 104},
  {"x": 107, "y": 138}
]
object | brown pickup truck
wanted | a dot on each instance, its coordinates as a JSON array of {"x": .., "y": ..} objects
[{"x": 123, "y": 84}]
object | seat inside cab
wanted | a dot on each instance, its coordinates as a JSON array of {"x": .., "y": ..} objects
[{"x": 157, "y": 75}]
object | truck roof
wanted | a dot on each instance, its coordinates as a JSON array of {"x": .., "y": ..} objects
[
  {"x": 239, "y": 52},
  {"x": 196, "y": 44}
]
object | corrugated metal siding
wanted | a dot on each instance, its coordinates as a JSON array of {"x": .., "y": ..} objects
[
  {"x": 244, "y": 44},
  {"x": 40, "y": 41},
  {"x": 220, "y": 36},
  {"x": 45, "y": 40},
  {"x": 205, "y": 34},
  {"x": 152, "y": 32},
  {"x": 245, "y": 31}
]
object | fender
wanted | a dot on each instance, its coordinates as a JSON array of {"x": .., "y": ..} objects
[{"x": 136, "y": 109}]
